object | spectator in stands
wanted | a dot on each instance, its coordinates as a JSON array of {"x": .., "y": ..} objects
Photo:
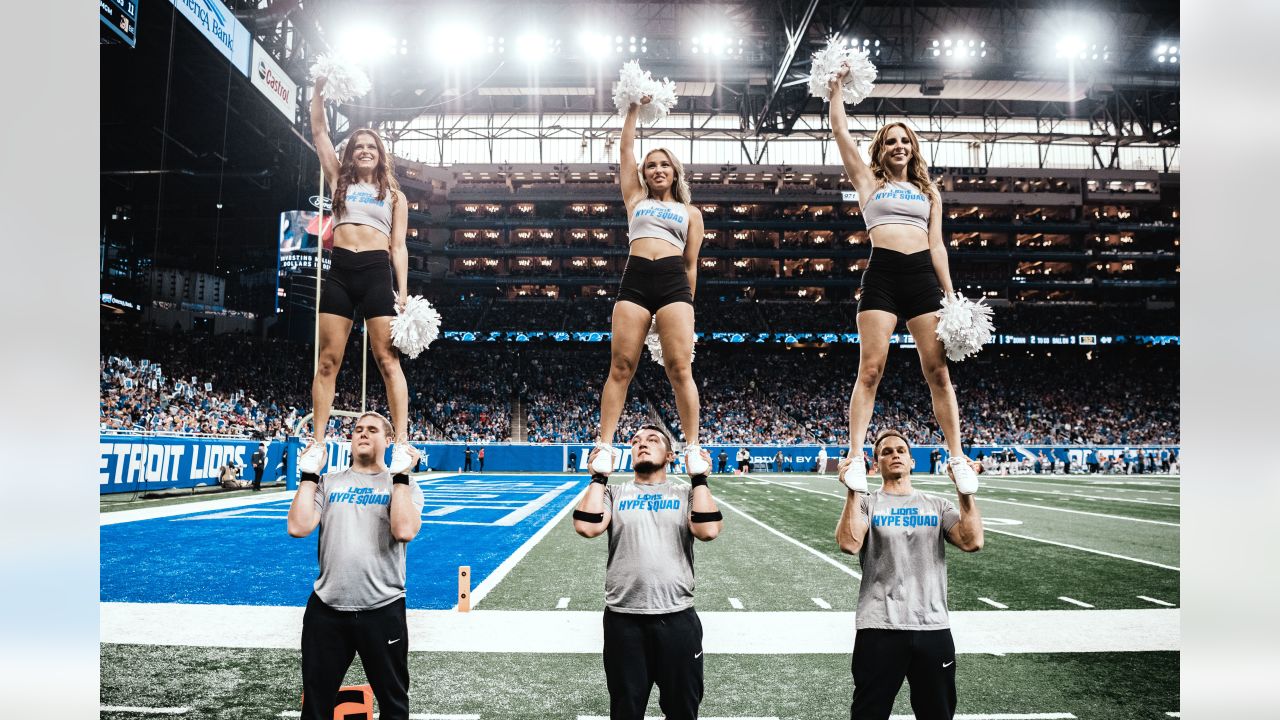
[
  {"x": 906, "y": 278},
  {"x": 369, "y": 271},
  {"x": 657, "y": 286}
]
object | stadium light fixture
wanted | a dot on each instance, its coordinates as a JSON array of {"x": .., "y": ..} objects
[
  {"x": 594, "y": 45},
  {"x": 1070, "y": 47},
  {"x": 366, "y": 42},
  {"x": 1167, "y": 52},
  {"x": 534, "y": 47},
  {"x": 454, "y": 43}
]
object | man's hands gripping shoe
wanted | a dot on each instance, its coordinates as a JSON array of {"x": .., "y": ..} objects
[{"x": 853, "y": 472}]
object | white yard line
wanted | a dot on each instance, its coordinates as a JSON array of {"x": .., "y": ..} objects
[
  {"x": 478, "y": 593},
  {"x": 1083, "y": 549},
  {"x": 1074, "y": 601},
  {"x": 563, "y": 604},
  {"x": 735, "y": 603},
  {"x": 821, "y": 603},
  {"x": 816, "y": 553},
  {"x": 144, "y": 710},
  {"x": 411, "y": 715},
  {"x": 994, "y": 604},
  {"x": 580, "y": 631},
  {"x": 535, "y": 506},
  {"x": 198, "y": 506},
  {"x": 1161, "y": 603},
  {"x": 999, "y": 716},
  {"x": 987, "y": 499}
]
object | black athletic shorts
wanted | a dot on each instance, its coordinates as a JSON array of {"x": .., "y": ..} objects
[
  {"x": 903, "y": 284},
  {"x": 359, "y": 280},
  {"x": 655, "y": 283}
]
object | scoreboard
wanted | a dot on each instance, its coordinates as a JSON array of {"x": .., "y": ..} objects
[{"x": 121, "y": 17}]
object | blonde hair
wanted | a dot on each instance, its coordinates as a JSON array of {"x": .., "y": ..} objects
[
  {"x": 917, "y": 170},
  {"x": 679, "y": 186}
]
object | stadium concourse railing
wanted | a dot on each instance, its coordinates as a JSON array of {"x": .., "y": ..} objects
[{"x": 133, "y": 462}]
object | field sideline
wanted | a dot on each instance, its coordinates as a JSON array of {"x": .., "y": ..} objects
[{"x": 1071, "y": 610}]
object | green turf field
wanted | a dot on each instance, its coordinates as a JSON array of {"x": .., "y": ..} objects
[{"x": 1080, "y": 545}]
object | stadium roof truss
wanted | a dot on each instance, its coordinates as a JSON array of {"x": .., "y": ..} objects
[{"x": 1020, "y": 105}]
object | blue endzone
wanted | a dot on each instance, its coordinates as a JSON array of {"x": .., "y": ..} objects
[{"x": 247, "y": 558}]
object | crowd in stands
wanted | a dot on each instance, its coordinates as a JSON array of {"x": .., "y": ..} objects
[{"x": 246, "y": 386}]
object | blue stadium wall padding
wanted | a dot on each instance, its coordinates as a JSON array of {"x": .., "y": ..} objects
[{"x": 138, "y": 463}]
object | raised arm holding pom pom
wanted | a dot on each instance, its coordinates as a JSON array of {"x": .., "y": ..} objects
[{"x": 905, "y": 279}]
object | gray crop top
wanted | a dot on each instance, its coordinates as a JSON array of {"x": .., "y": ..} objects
[
  {"x": 364, "y": 207},
  {"x": 897, "y": 203},
  {"x": 657, "y": 219}
]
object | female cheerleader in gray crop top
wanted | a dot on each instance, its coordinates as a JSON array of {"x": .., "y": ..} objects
[
  {"x": 665, "y": 234},
  {"x": 369, "y": 264},
  {"x": 904, "y": 280}
]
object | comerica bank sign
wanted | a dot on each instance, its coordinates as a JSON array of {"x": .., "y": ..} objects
[{"x": 215, "y": 21}]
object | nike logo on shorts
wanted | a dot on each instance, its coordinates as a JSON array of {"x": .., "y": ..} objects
[
  {"x": 948, "y": 664},
  {"x": 393, "y": 642},
  {"x": 697, "y": 655}
]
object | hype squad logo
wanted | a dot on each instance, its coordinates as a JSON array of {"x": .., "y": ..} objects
[
  {"x": 904, "y": 517},
  {"x": 359, "y": 496},
  {"x": 652, "y": 502}
]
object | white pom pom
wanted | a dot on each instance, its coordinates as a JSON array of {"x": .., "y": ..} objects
[
  {"x": 416, "y": 327},
  {"x": 344, "y": 80},
  {"x": 825, "y": 64},
  {"x": 964, "y": 326},
  {"x": 654, "y": 343},
  {"x": 634, "y": 84}
]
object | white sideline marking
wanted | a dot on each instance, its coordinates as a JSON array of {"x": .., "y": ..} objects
[
  {"x": 411, "y": 715},
  {"x": 564, "y": 603},
  {"x": 1084, "y": 549},
  {"x": 501, "y": 571},
  {"x": 145, "y": 710},
  {"x": 999, "y": 716},
  {"x": 1157, "y": 602},
  {"x": 1014, "y": 502},
  {"x": 1087, "y": 497},
  {"x": 1174, "y": 714},
  {"x": 580, "y": 631},
  {"x": 825, "y": 558},
  {"x": 987, "y": 529},
  {"x": 450, "y": 509},
  {"x": 735, "y": 603},
  {"x": 994, "y": 604},
  {"x": 1073, "y": 601},
  {"x": 821, "y": 603},
  {"x": 703, "y": 716},
  {"x": 534, "y": 506},
  {"x": 1068, "y": 510},
  {"x": 124, "y": 516}
]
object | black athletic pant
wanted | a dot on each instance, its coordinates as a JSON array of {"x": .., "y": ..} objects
[
  {"x": 641, "y": 650},
  {"x": 883, "y": 658},
  {"x": 330, "y": 640}
]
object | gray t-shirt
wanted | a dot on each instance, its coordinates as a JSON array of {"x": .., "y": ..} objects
[
  {"x": 904, "y": 566},
  {"x": 361, "y": 564},
  {"x": 650, "y": 570}
]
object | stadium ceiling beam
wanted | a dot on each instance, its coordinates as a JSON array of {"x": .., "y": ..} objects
[{"x": 795, "y": 36}]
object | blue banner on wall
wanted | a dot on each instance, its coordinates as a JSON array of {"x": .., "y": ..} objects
[{"x": 139, "y": 463}]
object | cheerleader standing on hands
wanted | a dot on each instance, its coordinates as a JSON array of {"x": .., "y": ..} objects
[
  {"x": 371, "y": 216},
  {"x": 665, "y": 233},
  {"x": 905, "y": 278}
]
